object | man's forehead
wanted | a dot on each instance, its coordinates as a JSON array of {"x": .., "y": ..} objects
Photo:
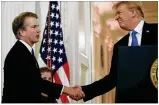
[{"x": 31, "y": 20}]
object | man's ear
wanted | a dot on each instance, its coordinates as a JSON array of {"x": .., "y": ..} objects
[
  {"x": 21, "y": 32},
  {"x": 134, "y": 13}
]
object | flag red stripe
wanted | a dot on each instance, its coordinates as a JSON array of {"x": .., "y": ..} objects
[
  {"x": 64, "y": 98},
  {"x": 66, "y": 69},
  {"x": 57, "y": 78}
]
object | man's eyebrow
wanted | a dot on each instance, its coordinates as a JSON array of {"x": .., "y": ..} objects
[{"x": 35, "y": 25}]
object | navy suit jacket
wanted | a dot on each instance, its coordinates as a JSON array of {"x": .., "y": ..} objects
[
  {"x": 149, "y": 37},
  {"x": 22, "y": 79}
]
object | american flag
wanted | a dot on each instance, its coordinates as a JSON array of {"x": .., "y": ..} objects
[{"x": 52, "y": 48}]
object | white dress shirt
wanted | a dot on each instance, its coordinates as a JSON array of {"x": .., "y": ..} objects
[{"x": 138, "y": 29}]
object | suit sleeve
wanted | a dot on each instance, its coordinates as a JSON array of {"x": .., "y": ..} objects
[
  {"x": 52, "y": 89},
  {"x": 103, "y": 85}
]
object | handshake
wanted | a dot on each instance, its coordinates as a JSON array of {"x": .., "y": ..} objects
[{"x": 74, "y": 93}]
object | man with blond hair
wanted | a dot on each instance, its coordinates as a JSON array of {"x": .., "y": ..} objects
[{"x": 130, "y": 18}]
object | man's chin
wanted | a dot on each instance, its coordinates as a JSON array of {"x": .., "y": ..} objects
[
  {"x": 36, "y": 41},
  {"x": 123, "y": 27}
]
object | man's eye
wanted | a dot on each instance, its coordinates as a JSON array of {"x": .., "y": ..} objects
[{"x": 33, "y": 26}]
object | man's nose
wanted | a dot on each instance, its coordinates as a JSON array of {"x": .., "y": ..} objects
[{"x": 38, "y": 30}]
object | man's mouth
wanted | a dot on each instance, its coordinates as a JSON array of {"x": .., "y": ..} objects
[
  {"x": 38, "y": 36},
  {"x": 119, "y": 21}
]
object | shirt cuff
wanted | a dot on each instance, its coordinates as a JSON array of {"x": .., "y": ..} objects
[{"x": 62, "y": 90}]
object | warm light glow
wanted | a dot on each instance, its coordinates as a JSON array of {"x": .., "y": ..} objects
[
  {"x": 113, "y": 24},
  {"x": 103, "y": 6}
]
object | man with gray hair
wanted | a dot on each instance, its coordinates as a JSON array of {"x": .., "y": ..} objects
[{"x": 22, "y": 79}]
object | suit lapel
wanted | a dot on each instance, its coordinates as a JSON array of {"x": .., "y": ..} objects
[
  {"x": 146, "y": 34},
  {"x": 37, "y": 66},
  {"x": 125, "y": 40}
]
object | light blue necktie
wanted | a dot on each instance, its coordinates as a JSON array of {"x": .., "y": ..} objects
[{"x": 134, "y": 39}]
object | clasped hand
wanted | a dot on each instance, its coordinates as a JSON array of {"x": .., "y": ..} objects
[{"x": 76, "y": 93}]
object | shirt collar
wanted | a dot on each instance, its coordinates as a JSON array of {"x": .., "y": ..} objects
[
  {"x": 139, "y": 27},
  {"x": 27, "y": 45}
]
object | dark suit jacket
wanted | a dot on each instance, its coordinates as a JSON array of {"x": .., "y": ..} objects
[
  {"x": 149, "y": 37},
  {"x": 22, "y": 79},
  {"x": 48, "y": 99}
]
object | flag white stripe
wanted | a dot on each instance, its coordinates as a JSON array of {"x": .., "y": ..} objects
[{"x": 62, "y": 76}]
